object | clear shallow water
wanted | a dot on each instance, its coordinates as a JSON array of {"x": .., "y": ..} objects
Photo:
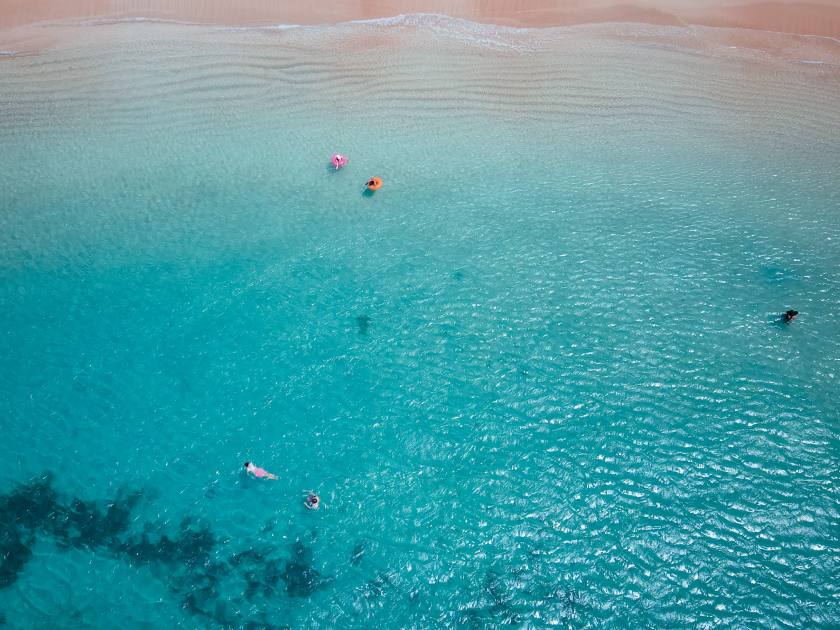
[{"x": 536, "y": 378}]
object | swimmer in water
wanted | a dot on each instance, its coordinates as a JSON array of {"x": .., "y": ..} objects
[
  {"x": 259, "y": 473},
  {"x": 312, "y": 501},
  {"x": 789, "y": 316}
]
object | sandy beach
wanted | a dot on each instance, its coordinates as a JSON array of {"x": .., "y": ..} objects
[{"x": 787, "y": 16}]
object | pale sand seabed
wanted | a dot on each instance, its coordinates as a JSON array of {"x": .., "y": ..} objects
[
  {"x": 820, "y": 55},
  {"x": 779, "y": 93}
]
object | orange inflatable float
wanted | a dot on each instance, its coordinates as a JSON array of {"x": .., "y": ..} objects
[{"x": 374, "y": 183}]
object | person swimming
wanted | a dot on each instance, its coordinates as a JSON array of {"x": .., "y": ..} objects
[
  {"x": 259, "y": 473},
  {"x": 312, "y": 501},
  {"x": 789, "y": 316}
]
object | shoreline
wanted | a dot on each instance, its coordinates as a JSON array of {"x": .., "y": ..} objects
[
  {"x": 796, "y": 17},
  {"x": 37, "y": 28}
]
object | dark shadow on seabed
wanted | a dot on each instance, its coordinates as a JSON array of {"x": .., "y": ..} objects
[
  {"x": 186, "y": 559},
  {"x": 222, "y": 588}
]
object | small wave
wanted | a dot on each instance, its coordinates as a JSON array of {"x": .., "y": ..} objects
[
  {"x": 442, "y": 20},
  {"x": 402, "y": 19},
  {"x": 828, "y": 65},
  {"x": 270, "y": 27},
  {"x": 112, "y": 21},
  {"x": 815, "y": 62},
  {"x": 478, "y": 33},
  {"x": 8, "y": 53}
]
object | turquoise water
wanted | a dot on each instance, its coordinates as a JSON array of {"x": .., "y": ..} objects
[{"x": 537, "y": 379}]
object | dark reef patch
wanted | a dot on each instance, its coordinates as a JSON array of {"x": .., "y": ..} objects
[
  {"x": 14, "y": 554},
  {"x": 188, "y": 560},
  {"x": 300, "y": 577}
]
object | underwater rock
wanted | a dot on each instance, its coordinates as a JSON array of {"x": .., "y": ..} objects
[
  {"x": 301, "y": 553},
  {"x": 363, "y": 322},
  {"x": 30, "y": 505},
  {"x": 301, "y": 579},
  {"x": 247, "y": 556},
  {"x": 14, "y": 554}
]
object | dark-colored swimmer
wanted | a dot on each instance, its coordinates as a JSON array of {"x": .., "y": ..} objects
[{"x": 789, "y": 316}]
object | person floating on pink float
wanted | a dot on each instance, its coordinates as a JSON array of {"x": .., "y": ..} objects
[
  {"x": 259, "y": 473},
  {"x": 338, "y": 160}
]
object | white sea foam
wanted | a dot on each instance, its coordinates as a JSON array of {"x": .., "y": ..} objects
[{"x": 269, "y": 27}]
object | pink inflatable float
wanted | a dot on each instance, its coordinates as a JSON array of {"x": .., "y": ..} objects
[{"x": 338, "y": 160}]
